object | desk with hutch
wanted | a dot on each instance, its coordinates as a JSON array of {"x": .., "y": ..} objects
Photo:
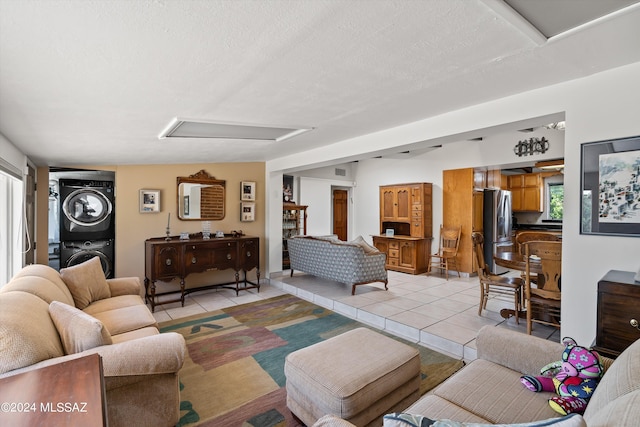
[
  {"x": 405, "y": 209},
  {"x": 166, "y": 260}
]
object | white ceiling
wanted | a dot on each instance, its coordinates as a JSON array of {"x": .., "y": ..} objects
[{"x": 96, "y": 81}]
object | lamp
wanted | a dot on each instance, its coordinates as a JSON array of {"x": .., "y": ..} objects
[{"x": 550, "y": 164}]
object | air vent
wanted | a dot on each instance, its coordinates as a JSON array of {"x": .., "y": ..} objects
[
  {"x": 341, "y": 172},
  {"x": 191, "y": 128}
]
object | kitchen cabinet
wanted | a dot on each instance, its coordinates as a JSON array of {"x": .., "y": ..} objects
[
  {"x": 618, "y": 312},
  {"x": 294, "y": 223},
  {"x": 461, "y": 207},
  {"x": 405, "y": 210},
  {"x": 526, "y": 192}
]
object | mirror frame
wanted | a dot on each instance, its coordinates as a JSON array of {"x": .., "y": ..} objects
[{"x": 201, "y": 177}]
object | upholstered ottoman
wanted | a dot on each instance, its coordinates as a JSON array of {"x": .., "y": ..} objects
[{"x": 359, "y": 376}]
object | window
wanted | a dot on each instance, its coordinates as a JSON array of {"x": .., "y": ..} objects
[
  {"x": 11, "y": 202},
  {"x": 555, "y": 200}
]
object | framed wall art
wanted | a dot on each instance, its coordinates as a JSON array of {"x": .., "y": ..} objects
[
  {"x": 248, "y": 190},
  {"x": 247, "y": 211},
  {"x": 610, "y": 184},
  {"x": 149, "y": 201}
]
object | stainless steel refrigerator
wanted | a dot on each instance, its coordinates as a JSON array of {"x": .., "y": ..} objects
[{"x": 496, "y": 224}]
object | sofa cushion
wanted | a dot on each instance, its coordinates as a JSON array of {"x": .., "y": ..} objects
[
  {"x": 368, "y": 249},
  {"x": 412, "y": 420},
  {"x": 113, "y": 303},
  {"x": 623, "y": 411},
  {"x": 44, "y": 272},
  {"x": 622, "y": 377},
  {"x": 40, "y": 287},
  {"x": 27, "y": 333},
  {"x": 86, "y": 282},
  {"x": 126, "y": 319},
  {"x": 78, "y": 330},
  {"x": 494, "y": 393}
]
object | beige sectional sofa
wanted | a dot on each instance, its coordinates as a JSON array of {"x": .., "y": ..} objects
[
  {"x": 353, "y": 263},
  {"x": 488, "y": 390},
  {"x": 48, "y": 317}
]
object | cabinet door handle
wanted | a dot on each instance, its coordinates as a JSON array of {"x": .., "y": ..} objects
[
  {"x": 228, "y": 256},
  {"x": 193, "y": 260},
  {"x": 634, "y": 323},
  {"x": 248, "y": 253},
  {"x": 168, "y": 261}
]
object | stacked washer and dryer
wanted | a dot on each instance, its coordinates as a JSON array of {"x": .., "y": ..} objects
[{"x": 87, "y": 220}]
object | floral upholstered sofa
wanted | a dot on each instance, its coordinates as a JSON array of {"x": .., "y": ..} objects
[{"x": 354, "y": 263}]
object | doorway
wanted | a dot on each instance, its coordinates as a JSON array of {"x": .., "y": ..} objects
[{"x": 340, "y": 213}]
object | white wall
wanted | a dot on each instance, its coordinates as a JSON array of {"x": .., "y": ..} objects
[{"x": 597, "y": 107}]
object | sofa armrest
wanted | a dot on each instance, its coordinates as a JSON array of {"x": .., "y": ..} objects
[
  {"x": 517, "y": 351},
  {"x": 332, "y": 421},
  {"x": 156, "y": 354},
  {"x": 124, "y": 286}
]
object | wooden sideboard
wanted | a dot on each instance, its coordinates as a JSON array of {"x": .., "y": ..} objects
[
  {"x": 618, "y": 307},
  {"x": 166, "y": 260},
  {"x": 404, "y": 253},
  {"x": 70, "y": 393}
]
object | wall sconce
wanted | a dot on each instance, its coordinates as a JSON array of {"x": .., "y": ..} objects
[{"x": 531, "y": 147}]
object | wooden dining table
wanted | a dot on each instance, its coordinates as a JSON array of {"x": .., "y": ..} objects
[{"x": 516, "y": 261}]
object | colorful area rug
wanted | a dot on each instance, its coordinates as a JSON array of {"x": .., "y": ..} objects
[{"x": 234, "y": 372}]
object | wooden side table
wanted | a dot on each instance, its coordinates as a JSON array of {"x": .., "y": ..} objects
[
  {"x": 618, "y": 307},
  {"x": 67, "y": 394}
]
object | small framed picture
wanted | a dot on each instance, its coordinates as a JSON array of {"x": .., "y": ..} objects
[
  {"x": 247, "y": 211},
  {"x": 389, "y": 232},
  {"x": 149, "y": 201},
  {"x": 185, "y": 207},
  {"x": 247, "y": 190}
]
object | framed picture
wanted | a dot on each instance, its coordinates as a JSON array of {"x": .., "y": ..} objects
[
  {"x": 149, "y": 201},
  {"x": 247, "y": 211},
  {"x": 248, "y": 190},
  {"x": 185, "y": 205},
  {"x": 610, "y": 184}
]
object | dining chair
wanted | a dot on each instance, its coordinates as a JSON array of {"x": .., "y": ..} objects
[
  {"x": 447, "y": 251},
  {"x": 543, "y": 301},
  {"x": 493, "y": 284},
  {"x": 530, "y": 236}
]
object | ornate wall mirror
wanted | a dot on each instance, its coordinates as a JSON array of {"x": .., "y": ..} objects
[{"x": 201, "y": 197}]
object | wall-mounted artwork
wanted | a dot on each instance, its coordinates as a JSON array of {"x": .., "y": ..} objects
[
  {"x": 149, "y": 201},
  {"x": 247, "y": 211},
  {"x": 247, "y": 190},
  {"x": 611, "y": 187}
]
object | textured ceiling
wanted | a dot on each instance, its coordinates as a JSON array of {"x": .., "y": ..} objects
[{"x": 95, "y": 82}]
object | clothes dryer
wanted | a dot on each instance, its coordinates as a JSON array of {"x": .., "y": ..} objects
[
  {"x": 87, "y": 211},
  {"x": 74, "y": 253}
]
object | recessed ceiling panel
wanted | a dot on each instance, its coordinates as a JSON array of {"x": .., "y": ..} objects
[{"x": 189, "y": 128}]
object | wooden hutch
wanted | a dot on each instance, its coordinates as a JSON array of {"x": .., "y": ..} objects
[{"x": 405, "y": 226}]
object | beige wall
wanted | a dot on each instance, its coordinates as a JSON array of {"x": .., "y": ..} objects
[{"x": 133, "y": 227}]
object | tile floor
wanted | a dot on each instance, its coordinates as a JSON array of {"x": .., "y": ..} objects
[{"x": 439, "y": 314}]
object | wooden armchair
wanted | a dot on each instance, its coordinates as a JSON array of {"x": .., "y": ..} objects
[
  {"x": 447, "y": 251},
  {"x": 543, "y": 302},
  {"x": 492, "y": 284}
]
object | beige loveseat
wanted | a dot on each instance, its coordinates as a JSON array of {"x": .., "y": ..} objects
[
  {"x": 488, "y": 390},
  {"x": 354, "y": 263},
  {"x": 48, "y": 317}
]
